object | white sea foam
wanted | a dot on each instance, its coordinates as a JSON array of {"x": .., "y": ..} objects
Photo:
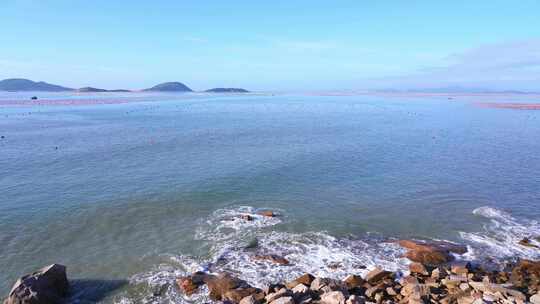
[
  {"x": 500, "y": 237},
  {"x": 317, "y": 253}
]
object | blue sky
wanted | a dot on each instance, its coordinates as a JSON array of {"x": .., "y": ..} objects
[{"x": 273, "y": 45}]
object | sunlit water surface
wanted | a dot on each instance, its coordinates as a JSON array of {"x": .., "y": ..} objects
[{"x": 130, "y": 196}]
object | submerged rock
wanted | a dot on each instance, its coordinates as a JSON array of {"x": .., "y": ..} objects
[
  {"x": 267, "y": 213},
  {"x": 274, "y": 258},
  {"x": 48, "y": 285},
  {"x": 527, "y": 243}
]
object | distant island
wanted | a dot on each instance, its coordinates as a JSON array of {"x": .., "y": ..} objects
[
  {"x": 227, "y": 90},
  {"x": 96, "y": 90},
  {"x": 169, "y": 87},
  {"x": 25, "y": 85}
]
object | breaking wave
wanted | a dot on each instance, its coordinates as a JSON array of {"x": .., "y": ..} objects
[
  {"x": 500, "y": 237},
  {"x": 234, "y": 242}
]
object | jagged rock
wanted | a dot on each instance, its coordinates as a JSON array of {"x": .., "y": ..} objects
[
  {"x": 48, "y": 285},
  {"x": 535, "y": 299},
  {"x": 354, "y": 281},
  {"x": 333, "y": 297},
  {"x": 187, "y": 285},
  {"x": 283, "y": 292},
  {"x": 418, "y": 268},
  {"x": 461, "y": 268},
  {"x": 274, "y": 258},
  {"x": 219, "y": 285},
  {"x": 236, "y": 295},
  {"x": 377, "y": 275},
  {"x": 249, "y": 300},
  {"x": 305, "y": 279},
  {"x": 330, "y": 284},
  {"x": 300, "y": 289},
  {"x": 526, "y": 275},
  {"x": 283, "y": 300}
]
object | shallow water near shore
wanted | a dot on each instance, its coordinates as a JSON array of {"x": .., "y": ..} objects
[{"x": 131, "y": 195}]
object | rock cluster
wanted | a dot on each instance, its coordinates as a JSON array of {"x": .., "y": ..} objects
[{"x": 456, "y": 282}]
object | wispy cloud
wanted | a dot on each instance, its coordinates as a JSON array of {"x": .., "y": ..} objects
[{"x": 507, "y": 65}]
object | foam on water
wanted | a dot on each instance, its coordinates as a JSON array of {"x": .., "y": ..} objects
[
  {"x": 500, "y": 237},
  {"x": 235, "y": 242}
]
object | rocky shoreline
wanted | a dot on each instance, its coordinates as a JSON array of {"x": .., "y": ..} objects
[{"x": 434, "y": 276}]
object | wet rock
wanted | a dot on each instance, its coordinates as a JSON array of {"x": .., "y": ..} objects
[
  {"x": 431, "y": 253},
  {"x": 236, "y": 295},
  {"x": 418, "y": 268},
  {"x": 219, "y": 285},
  {"x": 283, "y": 300},
  {"x": 527, "y": 243},
  {"x": 305, "y": 279},
  {"x": 354, "y": 281},
  {"x": 377, "y": 275},
  {"x": 333, "y": 297},
  {"x": 246, "y": 217},
  {"x": 187, "y": 285},
  {"x": 268, "y": 213},
  {"x": 283, "y": 292},
  {"x": 274, "y": 258},
  {"x": 48, "y": 285}
]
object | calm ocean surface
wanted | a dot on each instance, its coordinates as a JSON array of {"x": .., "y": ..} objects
[{"x": 130, "y": 196}]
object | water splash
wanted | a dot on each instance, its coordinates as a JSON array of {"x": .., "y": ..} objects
[{"x": 500, "y": 237}]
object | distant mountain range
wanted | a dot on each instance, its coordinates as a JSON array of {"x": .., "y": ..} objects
[{"x": 25, "y": 85}]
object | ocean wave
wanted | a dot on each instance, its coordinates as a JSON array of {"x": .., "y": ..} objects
[
  {"x": 235, "y": 243},
  {"x": 500, "y": 237}
]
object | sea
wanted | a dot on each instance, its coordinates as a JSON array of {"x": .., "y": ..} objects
[{"x": 132, "y": 190}]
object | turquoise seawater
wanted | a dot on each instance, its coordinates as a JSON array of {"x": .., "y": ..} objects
[{"x": 129, "y": 196}]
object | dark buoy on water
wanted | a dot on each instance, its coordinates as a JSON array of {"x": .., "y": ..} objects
[{"x": 34, "y": 98}]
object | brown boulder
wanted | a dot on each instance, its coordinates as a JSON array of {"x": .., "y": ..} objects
[
  {"x": 187, "y": 285},
  {"x": 48, "y": 285},
  {"x": 305, "y": 279},
  {"x": 377, "y": 275},
  {"x": 431, "y": 253},
  {"x": 219, "y": 285},
  {"x": 526, "y": 274},
  {"x": 418, "y": 268},
  {"x": 274, "y": 258},
  {"x": 354, "y": 281},
  {"x": 236, "y": 295}
]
